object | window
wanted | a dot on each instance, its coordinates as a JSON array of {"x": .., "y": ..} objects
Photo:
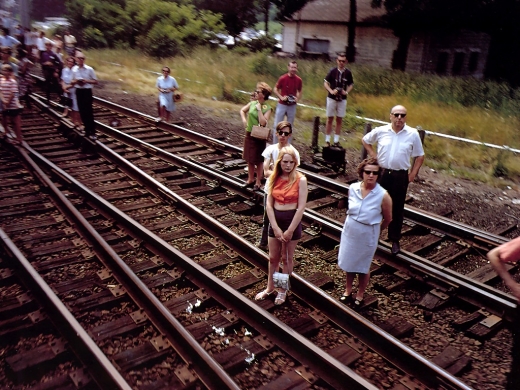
[
  {"x": 442, "y": 63},
  {"x": 458, "y": 61},
  {"x": 316, "y": 45},
  {"x": 473, "y": 61}
]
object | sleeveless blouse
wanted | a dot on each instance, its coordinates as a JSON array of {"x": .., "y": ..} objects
[
  {"x": 284, "y": 195},
  {"x": 368, "y": 210}
]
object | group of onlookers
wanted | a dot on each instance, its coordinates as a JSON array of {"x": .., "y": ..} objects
[{"x": 65, "y": 74}]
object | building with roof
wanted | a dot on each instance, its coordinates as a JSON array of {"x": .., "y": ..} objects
[{"x": 321, "y": 29}]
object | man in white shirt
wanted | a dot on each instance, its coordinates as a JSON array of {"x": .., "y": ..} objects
[
  {"x": 397, "y": 143},
  {"x": 84, "y": 78}
]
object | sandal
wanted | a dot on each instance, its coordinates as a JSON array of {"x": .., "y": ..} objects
[
  {"x": 358, "y": 302},
  {"x": 263, "y": 294},
  {"x": 281, "y": 297}
]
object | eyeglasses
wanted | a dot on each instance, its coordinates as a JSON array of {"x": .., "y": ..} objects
[
  {"x": 375, "y": 173},
  {"x": 342, "y": 60},
  {"x": 285, "y": 133},
  {"x": 166, "y": 70},
  {"x": 399, "y": 115}
]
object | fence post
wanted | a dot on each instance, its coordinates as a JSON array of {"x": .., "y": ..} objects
[
  {"x": 368, "y": 129},
  {"x": 315, "y": 134}
]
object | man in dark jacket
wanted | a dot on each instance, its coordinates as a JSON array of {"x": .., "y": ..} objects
[{"x": 51, "y": 69}]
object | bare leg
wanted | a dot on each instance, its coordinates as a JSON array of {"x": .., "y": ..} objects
[
  {"x": 250, "y": 173},
  {"x": 363, "y": 283},
  {"x": 259, "y": 174},
  {"x": 339, "y": 121},
  {"x": 350, "y": 282}
]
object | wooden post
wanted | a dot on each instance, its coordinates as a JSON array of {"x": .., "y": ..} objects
[
  {"x": 315, "y": 134},
  {"x": 368, "y": 129}
]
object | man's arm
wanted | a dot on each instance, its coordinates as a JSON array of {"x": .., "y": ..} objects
[
  {"x": 369, "y": 148},
  {"x": 415, "y": 169},
  {"x": 500, "y": 268}
]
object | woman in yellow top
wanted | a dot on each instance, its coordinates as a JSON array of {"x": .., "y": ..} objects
[
  {"x": 258, "y": 112},
  {"x": 287, "y": 196}
]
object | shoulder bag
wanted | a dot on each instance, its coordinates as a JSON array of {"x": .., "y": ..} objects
[{"x": 261, "y": 132}]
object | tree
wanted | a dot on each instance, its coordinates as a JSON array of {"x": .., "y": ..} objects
[
  {"x": 286, "y": 8},
  {"x": 167, "y": 29},
  {"x": 236, "y": 14},
  {"x": 99, "y": 23}
]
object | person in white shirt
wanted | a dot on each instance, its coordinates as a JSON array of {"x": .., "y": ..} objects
[
  {"x": 397, "y": 143},
  {"x": 7, "y": 40},
  {"x": 84, "y": 78}
]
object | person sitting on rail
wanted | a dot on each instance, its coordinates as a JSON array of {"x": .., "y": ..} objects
[
  {"x": 369, "y": 212},
  {"x": 287, "y": 196},
  {"x": 498, "y": 257}
]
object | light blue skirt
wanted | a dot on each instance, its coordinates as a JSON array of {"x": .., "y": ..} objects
[{"x": 357, "y": 246}]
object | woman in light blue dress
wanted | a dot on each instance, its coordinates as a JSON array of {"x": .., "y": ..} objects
[
  {"x": 166, "y": 85},
  {"x": 369, "y": 212}
]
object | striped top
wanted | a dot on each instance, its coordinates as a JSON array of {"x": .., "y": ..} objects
[{"x": 9, "y": 88}]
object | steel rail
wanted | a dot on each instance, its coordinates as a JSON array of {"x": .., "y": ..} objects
[
  {"x": 208, "y": 370},
  {"x": 386, "y": 345},
  {"x": 101, "y": 369},
  {"x": 475, "y": 292},
  {"x": 325, "y": 366},
  {"x": 390, "y": 348},
  {"x": 431, "y": 220}
]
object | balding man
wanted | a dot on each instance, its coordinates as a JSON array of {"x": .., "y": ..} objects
[{"x": 397, "y": 143}]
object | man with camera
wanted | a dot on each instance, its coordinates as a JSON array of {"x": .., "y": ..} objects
[
  {"x": 288, "y": 88},
  {"x": 338, "y": 83}
]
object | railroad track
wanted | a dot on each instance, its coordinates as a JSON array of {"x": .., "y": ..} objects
[{"x": 216, "y": 206}]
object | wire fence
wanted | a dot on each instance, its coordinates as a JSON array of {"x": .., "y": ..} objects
[{"x": 307, "y": 126}]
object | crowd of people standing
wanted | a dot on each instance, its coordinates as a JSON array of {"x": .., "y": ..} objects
[{"x": 67, "y": 78}]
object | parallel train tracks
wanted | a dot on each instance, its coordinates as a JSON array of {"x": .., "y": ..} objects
[{"x": 176, "y": 184}]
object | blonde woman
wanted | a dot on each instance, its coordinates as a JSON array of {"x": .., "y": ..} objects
[{"x": 287, "y": 196}]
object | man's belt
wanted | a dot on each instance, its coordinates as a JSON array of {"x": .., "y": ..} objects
[{"x": 387, "y": 171}]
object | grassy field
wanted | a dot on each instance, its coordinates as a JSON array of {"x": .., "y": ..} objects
[{"x": 482, "y": 111}]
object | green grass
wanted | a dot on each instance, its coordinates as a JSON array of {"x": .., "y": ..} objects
[{"x": 482, "y": 111}]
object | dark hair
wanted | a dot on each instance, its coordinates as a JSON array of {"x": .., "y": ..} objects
[
  {"x": 22, "y": 53},
  {"x": 364, "y": 163},
  {"x": 167, "y": 67},
  {"x": 5, "y": 30},
  {"x": 7, "y": 67},
  {"x": 292, "y": 62},
  {"x": 283, "y": 124},
  {"x": 342, "y": 54}
]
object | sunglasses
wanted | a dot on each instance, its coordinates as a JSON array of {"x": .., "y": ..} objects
[
  {"x": 166, "y": 70},
  {"x": 399, "y": 115},
  {"x": 286, "y": 133},
  {"x": 375, "y": 173},
  {"x": 342, "y": 61}
]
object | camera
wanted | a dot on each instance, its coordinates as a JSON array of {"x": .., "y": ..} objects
[
  {"x": 291, "y": 99},
  {"x": 339, "y": 95}
]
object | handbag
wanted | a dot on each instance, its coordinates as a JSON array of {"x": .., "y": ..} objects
[
  {"x": 261, "y": 132},
  {"x": 281, "y": 281}
]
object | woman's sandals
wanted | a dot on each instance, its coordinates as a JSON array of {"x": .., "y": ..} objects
[
  {"x": 263, "y": 294},
  {"x": 280, "y": 297}
]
